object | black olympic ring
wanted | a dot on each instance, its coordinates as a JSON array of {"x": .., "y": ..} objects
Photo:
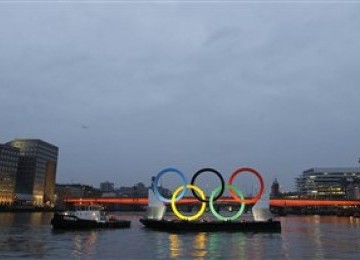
[{"x": 217, "y": 174}]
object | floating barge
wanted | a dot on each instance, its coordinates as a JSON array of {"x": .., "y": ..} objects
[{"x": 270, "y": 226}]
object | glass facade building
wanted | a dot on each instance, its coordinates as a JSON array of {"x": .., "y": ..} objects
[
  {"x": 9, "y": 157},
  {"x": 35, "y": 178},
  {"x": 329, "y": 183}
]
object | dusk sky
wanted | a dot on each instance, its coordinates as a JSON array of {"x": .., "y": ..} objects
[{"x": 126, "y": 88}]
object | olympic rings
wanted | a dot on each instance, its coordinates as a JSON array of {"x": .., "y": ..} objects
[
  {"x": 217, "y": 174},
  {"x": 235, "y": 193},
  {"x": 177, "y": 213},
  {"x": 216, "y": 214},
  {"x": 156, "y": 181},
  {"x": 258, "y": 195}
]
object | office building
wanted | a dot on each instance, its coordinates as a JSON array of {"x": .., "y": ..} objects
[
  {"x": 35, "y": 178},
  {"x": 9, "y": 157},
  {"x": 329, "y": 183},
  {"x": 107, "y": 186}
]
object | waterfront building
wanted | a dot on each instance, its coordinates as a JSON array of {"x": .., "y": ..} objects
[
  {"x": 36, "y": 173},
  {"x": 329, "y": 183},
  {"x": 137, "y": 191},
  {"x": 76, "y": 191},
  {"x": 107, "y": 186},
  {"x": 9, "y": 157}
]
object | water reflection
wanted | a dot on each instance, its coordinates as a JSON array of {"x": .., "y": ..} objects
[
  {"x": 23, "y": 247},
  {"x": 314, "y": 237},
  {"x": 354, "y": 222},
  {"x": 317, "y": 235},
  {"x": 233, "y": 244},
  {"x": 240, "y": 242},
  {"x": 7, "y": 219},
  {"x": 199, "y": 245},
  {"x": 196, "y": 244},
  {"x": 320, "y": 236},
  {"x": 213, "y": 245},
  {"x": 175, "y": 245},
  {"x": 214, "y": 242},
  {"x": 18, "y": 234},
  {"x": 84, "y": 243}
]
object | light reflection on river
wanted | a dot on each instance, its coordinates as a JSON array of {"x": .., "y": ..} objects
[{"x": 315, "y": 237}]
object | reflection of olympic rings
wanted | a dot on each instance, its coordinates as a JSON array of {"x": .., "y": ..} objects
[
  {"x": 217, "y": 215},
  {"x": 235, "y": 193},
  {"x": 156, "y": 181},
  {"x": 203, "y": 204},
  {"x": 258, "y": 195},
  {"x": 222, "y": 187}
]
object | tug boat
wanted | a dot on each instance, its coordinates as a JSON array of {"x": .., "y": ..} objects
[{"x": 86, "y": 217}]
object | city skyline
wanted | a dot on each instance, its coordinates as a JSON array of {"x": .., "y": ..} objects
[{"x": 125, "y": 90}]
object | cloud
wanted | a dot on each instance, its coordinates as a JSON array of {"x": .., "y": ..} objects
[{"x": 273, "y": 86}]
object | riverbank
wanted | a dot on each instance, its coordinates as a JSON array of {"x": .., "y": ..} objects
[
  {"x": 321, "y": 211},
  {"x": 26, "y": 208}
]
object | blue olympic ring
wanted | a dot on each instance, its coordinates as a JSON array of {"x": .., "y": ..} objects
[{"x": 156, "y": 181}]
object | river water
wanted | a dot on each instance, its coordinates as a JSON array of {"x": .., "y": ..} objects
[{"x": 315, "y": 237}]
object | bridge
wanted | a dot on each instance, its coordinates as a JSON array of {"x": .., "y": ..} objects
[{"x": 224, "y": 200}]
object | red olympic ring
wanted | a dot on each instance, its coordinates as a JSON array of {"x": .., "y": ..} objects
[{"x": 258, "y": 195}]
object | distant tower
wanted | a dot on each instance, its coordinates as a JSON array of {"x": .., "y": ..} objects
[
  {"x": 275, "y": 190},
  {"x": 107, "y": 186}
]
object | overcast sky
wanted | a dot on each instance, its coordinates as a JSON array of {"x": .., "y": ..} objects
[{"x": 125, "y": 89}]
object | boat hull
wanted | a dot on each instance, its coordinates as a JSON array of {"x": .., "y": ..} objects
[
  {"x": 211, "y": 226},
  {"x": 71, "y": 223}
]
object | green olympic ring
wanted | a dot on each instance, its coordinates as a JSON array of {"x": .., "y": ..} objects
[{"x": 215, "y": 192}]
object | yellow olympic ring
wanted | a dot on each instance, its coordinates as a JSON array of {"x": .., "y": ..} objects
[{"x": 203, "y": 204}]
